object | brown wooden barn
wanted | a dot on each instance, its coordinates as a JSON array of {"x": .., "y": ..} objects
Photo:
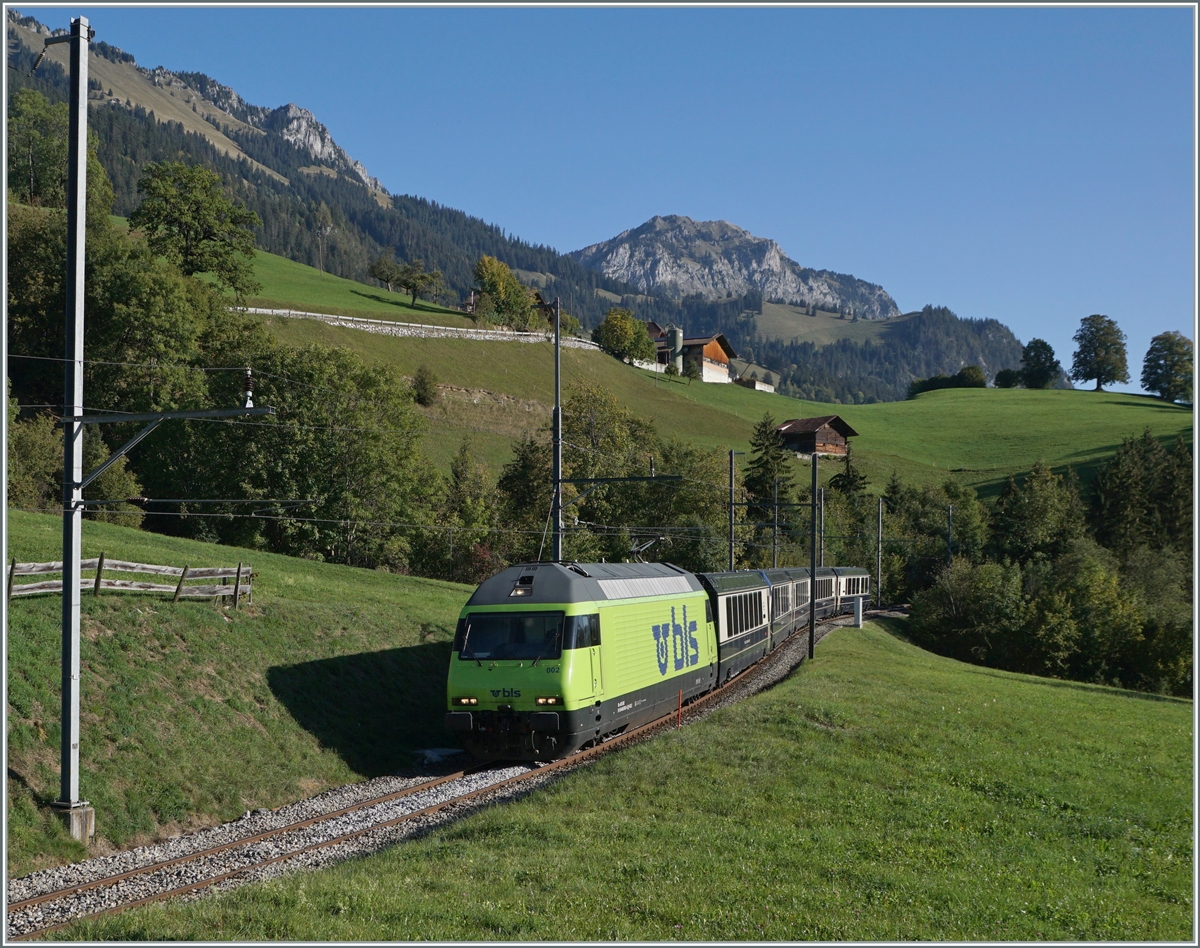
[{"x": 827, "y": 434}]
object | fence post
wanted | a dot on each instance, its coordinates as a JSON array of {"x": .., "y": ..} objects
[
  {"x": 179, "y": 588},
  {"x": 237, "y": 585},
  {"x": 99, "y": 572},
  {"x": 12, "y": 569}
]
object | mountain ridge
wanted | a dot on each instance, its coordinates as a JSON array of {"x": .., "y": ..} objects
[{"x": 675, "y": 255}]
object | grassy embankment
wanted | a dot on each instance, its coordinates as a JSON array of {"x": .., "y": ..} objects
[
  {"x": 194, "y": 713},
  {"x": 881, "y": 793}
]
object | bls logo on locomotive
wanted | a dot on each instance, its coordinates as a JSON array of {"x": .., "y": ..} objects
[
  {"x": 506, "y": 692},
  {"x": 677, "y": 640}
]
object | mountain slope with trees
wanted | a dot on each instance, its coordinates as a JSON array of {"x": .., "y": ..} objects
[{"x": 320, "y": 207}]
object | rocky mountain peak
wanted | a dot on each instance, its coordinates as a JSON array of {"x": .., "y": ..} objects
[
  {"x": 676, "y": 256},
  {"x": 300, "y": 128},
  {"x": 296, "y": 125}
]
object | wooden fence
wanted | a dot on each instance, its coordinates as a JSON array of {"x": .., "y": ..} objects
[{"x": 242, "y": 577}]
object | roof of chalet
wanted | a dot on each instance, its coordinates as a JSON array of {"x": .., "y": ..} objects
[
  {"x": 702, "y": 341},
  {"x": 806, "y": 425}
]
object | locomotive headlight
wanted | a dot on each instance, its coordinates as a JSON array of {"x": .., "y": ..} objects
[
  {"x": 554, "y": 700},
  {"x": 465, "y": 701}
]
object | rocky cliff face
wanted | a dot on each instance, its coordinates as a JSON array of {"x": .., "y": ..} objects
[
  {"x": 678, "y": 256},
  {"x": 301, "y": 129}
]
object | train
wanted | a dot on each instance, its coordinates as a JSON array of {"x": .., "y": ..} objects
[{"x": 550, "y": 658}]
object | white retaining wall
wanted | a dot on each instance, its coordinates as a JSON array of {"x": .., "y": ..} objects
[{"x": 423, "y": 331}]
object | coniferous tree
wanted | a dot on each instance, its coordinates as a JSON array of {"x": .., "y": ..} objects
[
  {"x": 770, "y": 461},
  {"x": 849, "y": 480},
  {"x": 1037, "y": 519}
]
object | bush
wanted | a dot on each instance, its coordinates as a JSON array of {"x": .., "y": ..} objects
[
  {"x": 1008, "y": 378},
  {"x": 425, "y": 386}
]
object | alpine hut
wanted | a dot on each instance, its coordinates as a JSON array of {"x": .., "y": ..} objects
[{"x": 827, "y": 434}]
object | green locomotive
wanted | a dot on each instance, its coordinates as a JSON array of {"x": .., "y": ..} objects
[{"x": 551, "y": 657}]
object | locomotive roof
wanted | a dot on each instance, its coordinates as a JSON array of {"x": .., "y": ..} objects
[{"x": 555, "y": 583}]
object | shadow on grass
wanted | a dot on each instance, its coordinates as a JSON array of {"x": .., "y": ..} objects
[
  {"x": 373, "y": 708},
  {"x": 404, "y": 303},
  {"x": 898, "y": 629},
  {"x": 42, "y": 801}
]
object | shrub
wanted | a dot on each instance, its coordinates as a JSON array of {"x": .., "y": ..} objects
[{"x": 425, "y": 386}]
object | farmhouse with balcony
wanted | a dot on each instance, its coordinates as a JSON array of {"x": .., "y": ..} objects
[
  {"x": 711, "y": 354},
  {"x": 827, "y": 434}
]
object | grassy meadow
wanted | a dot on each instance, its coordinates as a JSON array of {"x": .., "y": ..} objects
[
  {"x": 290, "y": 285},
  {"x": 879, "y": 793},
  {"x": 781, "y": 321},
  {"x": 193, "y": 712},
  {"x": 496, "y": 391}
]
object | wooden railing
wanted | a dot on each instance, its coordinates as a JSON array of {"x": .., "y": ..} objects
[{"x": 242, "y": 577}]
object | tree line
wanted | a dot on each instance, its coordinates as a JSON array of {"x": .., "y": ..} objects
[{"x": 1101, "y": 356}]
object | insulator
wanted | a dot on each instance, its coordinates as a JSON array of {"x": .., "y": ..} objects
[{"x": 248, "y": 388}]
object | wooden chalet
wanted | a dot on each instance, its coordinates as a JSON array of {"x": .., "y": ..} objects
[{"x": 827, "y": 434}]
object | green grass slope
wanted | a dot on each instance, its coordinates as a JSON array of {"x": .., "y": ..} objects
[
  {"x": 499, "y": 390},
  {"x": 194, "y": 713},
  {"x": 878, "y": 794},
  {"x": 781, "y": 321},
  {"x": 290, "y": 285}
]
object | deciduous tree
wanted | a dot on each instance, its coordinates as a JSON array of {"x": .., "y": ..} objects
[
  {"x": 1167, "y": 369},
  {"x": 507, "y": 300},
  {"x": 386, "y": 270},
  {"x": 623, "y": 336},
  {"x": 1039, "y": 366},
  {"x": 187, "y": 219},
  {"x": 1101, "y": 352}
]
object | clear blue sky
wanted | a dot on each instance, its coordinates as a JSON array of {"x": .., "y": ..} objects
[{"x": 1033, "y": 165}]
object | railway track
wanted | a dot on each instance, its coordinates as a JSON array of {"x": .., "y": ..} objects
[{"x": 363, "y": 825}]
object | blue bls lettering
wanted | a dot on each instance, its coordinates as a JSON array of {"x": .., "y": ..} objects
[{"x": 684, "y": 650}]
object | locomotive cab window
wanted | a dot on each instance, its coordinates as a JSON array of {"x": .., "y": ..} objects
[
  {"x": 582, "y": 631},
  {"x": 511, "y": 636}
]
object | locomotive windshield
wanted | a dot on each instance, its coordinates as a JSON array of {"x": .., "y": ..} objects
[{"x": 509, "y": 635}]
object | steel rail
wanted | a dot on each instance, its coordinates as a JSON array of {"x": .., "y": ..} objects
[
  {"x": 254, "y": 838},
  {"x": 579, "y": 757}
]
